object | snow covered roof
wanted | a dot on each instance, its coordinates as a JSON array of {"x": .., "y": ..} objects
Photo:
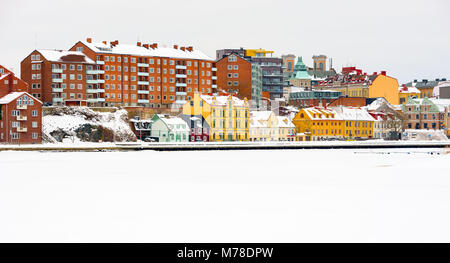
[
  {"x": 222, "y": 100},
  {"x": 297, "y": 89},
  {"x": 127, "y": 49},
  {"x": 58, "y": 56},
  {"x": 376, "y": 104},
  {"x": 260, "y": 115},
  {"x": 321, "y": 114},
  {"x": 441, "y": 103},
  {"x": 405, "y": 89},
  {"x": 436, "y": 90},
  {"x": 284, "y": 122},
  {"x": 14, "y": 95},
  {"x": 354, "y": 114},
  {"x": 174, "y": 123}
]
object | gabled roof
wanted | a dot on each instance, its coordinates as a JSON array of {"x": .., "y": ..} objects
[
  {"x": 284, "y": 122},
  {"x": 222, "y": 100},
  {"x": 13, "y": 96},
  {"x": 65, "y": 56}
]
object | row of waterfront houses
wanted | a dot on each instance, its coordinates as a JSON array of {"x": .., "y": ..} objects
[
  {"x": 229, "y": 98},
  {"x": 227, "y": 118}
]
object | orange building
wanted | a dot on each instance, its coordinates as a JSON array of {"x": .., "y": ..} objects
[
  {"x": 238, "y": 76},
  {"x": 62, "y": 77},
  {"x": 150, "y": 75}
]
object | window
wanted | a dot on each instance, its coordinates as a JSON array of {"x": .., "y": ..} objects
[
  {"x": 35, "y": 135},
  {"x": 34, "y": 124}
]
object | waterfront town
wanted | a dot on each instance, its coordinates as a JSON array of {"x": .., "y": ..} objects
[{"x": 180, "y": 94}]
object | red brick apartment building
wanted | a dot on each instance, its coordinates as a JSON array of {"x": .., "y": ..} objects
[
  {"x": 20, "y": 113},
  {"x": 113, "y": 74},
  {"x": 61, "y": 77},
  {"x": 237, "y": 75}
]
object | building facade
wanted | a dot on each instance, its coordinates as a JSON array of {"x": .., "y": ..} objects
[
  {"x": 272, "y": 68},
  {"x": 240, "y": 77},
  {"x": 63, "y": 77},
  {"x": 301, "y": 97},
  {"x": 227, "y": 116},
  {"x": 425, "y": 113},
  {"x": 300, "y": 76},
  {"x": 169, "y": 129},
  {"x": 20, "y": 119},
  {"x": 352, "y": 82},
  {"x": 114, "y": 74}
]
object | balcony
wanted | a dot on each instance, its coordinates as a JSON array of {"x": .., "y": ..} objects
[
  {"x": 146, "y": 83},
  {"x": 56, "y": 100},
  {"x": 179, "y": 84},
  {"x": 21, "y": 129},
  {"x": 181, "y": 102},
  {"x": 100, "y": 81},
  {"x": 57, "y": 80},
  {"x": 91, "y": 72},
  {"x": 214, "y": 69},
  {"x": 142, "y": 74},
  {"x": 21, "y": 107},
  {"x": 101, "y": 99},
  {"x": 180, "y": 67},
  {"x": 100, "y": 62},
  {"x": 143, "y": 92},
  {"x": 214, "y": 86},
  {"x": 180, "y": 93},
  {"x": 214, "y": 77},
  {"x": 142, "y": 65},
  {"x": 181, "y": 76},
  {"x": 57, "y": 70},
  {"x": 143, "y": 101},
  {"x": 57, "y": 90},
  {"x": 95, "y": 90},
  {"x": 21, "y": 118}
]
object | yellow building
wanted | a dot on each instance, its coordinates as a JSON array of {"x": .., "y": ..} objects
[
  {"x": 262, "y": 125},
  {"x": 266, "y": 126},
  {"x": 257, "y": 52},
  {"x": 354, "y": 84},
  {"x": 385, "y": 87},
  {"x": 357, "y": 122},
  {"x": 286, "y": 129},
  {"x": 227, "y": 116},
  {"x": 318, "y": 123},
  {"x": 404, "y": 93},
  {"x": 339, "y": 123}
]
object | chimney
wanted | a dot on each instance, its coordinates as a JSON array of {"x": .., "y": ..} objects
[
  {"x": 116, "y": 42},
  {"x": 145, "y": 45},
  {"x": 154, "y": 45},
  {"x": 175, "y": 46},
  {"x": 89, "y": 40},
  {"x": 104, "y": 42},
  {"x": 425, "y": 80},
  {"x": 138, "y": 44},
  {"x": 437, "y": 79},
  {"x": 383, "y": 73},
  {"x": 190, "y": 48},
  {"x": 415, "y": 81},
  {"x": 183, "y": 48},
  {"x": 375, "y": 73}
]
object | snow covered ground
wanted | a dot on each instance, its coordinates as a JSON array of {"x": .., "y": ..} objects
[{"x": 226, "y": 196}]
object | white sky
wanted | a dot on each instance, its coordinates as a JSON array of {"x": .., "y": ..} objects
[{"x": 409, "y": 39}]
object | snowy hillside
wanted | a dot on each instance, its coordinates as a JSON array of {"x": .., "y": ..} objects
[{"x": 83, "y": 124}]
